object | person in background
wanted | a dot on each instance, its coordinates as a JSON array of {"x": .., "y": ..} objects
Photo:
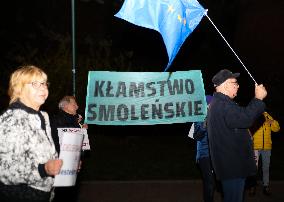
[
  {"x": 262, "y": 143},
  {"x": 27, "y": 152},
  {"x": 203, "y": 158},
  {"x": 67, "y": 117},
  {"x": 230, "y": 143}
]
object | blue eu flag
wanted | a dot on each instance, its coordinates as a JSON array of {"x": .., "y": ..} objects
[{"x": 174, "y": 19}]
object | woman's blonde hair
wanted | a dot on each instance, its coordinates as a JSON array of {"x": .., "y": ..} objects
[{"x": 22, "y": 76}]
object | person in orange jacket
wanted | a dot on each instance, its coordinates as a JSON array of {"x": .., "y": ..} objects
[{"x": 262, "y": 146}]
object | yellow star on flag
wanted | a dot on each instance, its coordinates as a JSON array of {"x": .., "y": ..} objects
[
  {"x": 179, "y": 18},
  {"x": 170, "y": 9}
]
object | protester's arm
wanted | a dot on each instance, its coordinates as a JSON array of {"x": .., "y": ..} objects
[
  {"x": 244, "y": 117},
  {"x": 199, "y": 131},
  {"x": 274, "y": 125}
]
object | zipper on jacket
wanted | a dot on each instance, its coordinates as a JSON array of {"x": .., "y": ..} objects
[{"x": 262, "y": 137}]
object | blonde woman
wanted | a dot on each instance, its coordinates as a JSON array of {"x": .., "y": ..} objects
[{"x": 28, "y": 159}]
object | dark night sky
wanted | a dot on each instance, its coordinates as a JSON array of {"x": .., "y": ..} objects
[{"x": 253, "y": 28}]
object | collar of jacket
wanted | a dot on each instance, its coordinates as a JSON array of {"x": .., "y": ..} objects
[
  {"x": 19, "y": 105},
  {"x": 222, "y": 97},
  {"x": 72, "y": 118},
  {"x": 67, "y": 115}
]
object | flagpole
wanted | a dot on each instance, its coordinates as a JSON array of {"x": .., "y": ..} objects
[
  {"x": 73, "y": 48},
  {"x": 230, "y": 48}
]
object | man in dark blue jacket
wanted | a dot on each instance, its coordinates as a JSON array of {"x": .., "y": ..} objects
[{"x": 230, "y": 143}]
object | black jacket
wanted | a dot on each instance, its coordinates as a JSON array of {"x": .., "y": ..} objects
[
  {"x": 62, "y": 120},
  {"x": 231, "y": 146}
]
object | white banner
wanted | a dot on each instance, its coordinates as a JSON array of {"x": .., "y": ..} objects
[
  {"x": 86, "y": 143},
  {"x": 70, "y": 151}
]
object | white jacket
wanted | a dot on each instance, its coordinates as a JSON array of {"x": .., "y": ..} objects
[{"x": 24, "y": 144}]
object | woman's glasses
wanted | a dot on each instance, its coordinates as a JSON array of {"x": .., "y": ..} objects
[{"x": 37, "y": 84}]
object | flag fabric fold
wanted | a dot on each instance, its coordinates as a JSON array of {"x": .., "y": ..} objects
[{"x": 175, "y": 20}]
